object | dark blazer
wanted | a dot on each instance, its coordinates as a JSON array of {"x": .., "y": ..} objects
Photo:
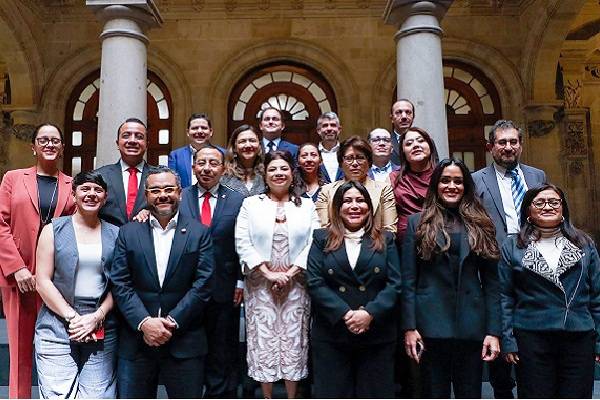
[
  {"x": 115, "y": 209},
  {"x": 180, "y": 160},
  {"x": 531, "y": 301},
  {"x": 183, "y": 295},
  {"x": 433, "y": 304},
  {"x": 285, "y": 146},
  {"x": 339, "y": 174},
  {"x": 488, "y": 191},
  {"x": 395, "y": 149},
  {"x": 222, "y": 231},
  {"x": 335, "y": 289}
]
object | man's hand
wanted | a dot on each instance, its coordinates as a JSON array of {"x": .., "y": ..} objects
[
  {"x": 157, "y": 331},
  {"x": 490, "y": 349},
  {"x": 142, "y": 216},
  {"x": 238, "y": 296},
  {"x": 25, "y": 280}
]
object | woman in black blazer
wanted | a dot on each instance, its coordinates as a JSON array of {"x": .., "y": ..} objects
[
  {"x": 550, "y": 296},
  {"x": 450, "y": 309},
  {"x": 354, "y": 283}
]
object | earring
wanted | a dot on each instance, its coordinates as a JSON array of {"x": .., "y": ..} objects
[
  {"x": 528, "y": 219},
  {"x": 562, "y": 219},
  {"x": 35, "y": 153}
]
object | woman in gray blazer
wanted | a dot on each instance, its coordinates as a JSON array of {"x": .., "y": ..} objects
[{"x": 75, "y": 336}]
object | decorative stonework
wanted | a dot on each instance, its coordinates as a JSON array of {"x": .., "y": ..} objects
[
  {"x": 230, "y": 5},
  {"x": 593, "y": 72},
  {"x": 264, "y": 4},
  {"x": 363, "y": 3},
  {"x": 297, "y": 4},
  {"x": 573, "y": 94},
  {"x": 540, "y": 127},
  {"x": 330, "y": 4},
  {"x": 576, "y": 168},
  {"x": 575, "y": 143},
  {"x": 197, "y": 5},
  {"x": 23, "y": 131}
]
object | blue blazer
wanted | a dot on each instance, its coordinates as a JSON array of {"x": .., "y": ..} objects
[
  {"x": 339, "y": 174},
  {"x": 222, "y": 230},
  {"x": 184, "y": 294},
  {"x": 284, "y": 145},
  {"x": 180, "y": 161}
]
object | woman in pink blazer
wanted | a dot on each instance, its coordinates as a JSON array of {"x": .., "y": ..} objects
[{"x": 29, "y": 199}]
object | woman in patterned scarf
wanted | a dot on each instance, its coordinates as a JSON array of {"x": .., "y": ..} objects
[{"x": 550, "y": 297}]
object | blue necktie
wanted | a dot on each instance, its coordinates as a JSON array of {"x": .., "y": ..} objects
[
  {"x": 517, "y": 187},
  {"x": 271, "y": 146}
]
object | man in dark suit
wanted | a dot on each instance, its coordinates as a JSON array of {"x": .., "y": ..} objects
[
  {"x": 501, "y": 187},
  {"x": 402, "y": 116},
  {"x": 125, "y": 178},
  {"x": 199, "y": 132},
  {"x": 271, "y": 125},
  {"x": 217, "y": 207},
  {"x": 161, "y": 275},
  {"x": 329, "y": 129}
]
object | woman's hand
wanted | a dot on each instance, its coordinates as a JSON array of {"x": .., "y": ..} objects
[
  {"x": 413, "y": 344},
  {"x": 513, "y": 358},
  {"x": 83, "y": 325},
  {"x": 293, "y": 271},
  {"x": 142, "y": 216},
  {"x": 358, "y": 321},
  {"x": 280, "y": 278},
  {"x": 490, "y": 349},
  {"x": 597, "y": 358},
  {"x": 25, "y": 280}
]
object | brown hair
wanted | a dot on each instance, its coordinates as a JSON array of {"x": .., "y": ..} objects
[
  {"x": 480, "y": 228},
  {"x": 357, "y": 143},
  {"x": 232, "y": 163},
  {"x": 336, "y": 227}
]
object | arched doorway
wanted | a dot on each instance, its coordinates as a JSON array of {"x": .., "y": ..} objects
[
  {"x": 81, "y": 123},
  {"x": 300, "y": 92}
]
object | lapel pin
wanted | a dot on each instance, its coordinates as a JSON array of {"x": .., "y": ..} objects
[
  {"x": 222, "y": 196},
  {"x": 183, "y": 230}
]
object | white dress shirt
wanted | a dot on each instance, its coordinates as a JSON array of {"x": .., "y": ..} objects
[
  {"x": 163, "y": 239},
  {"x": 381, "y": 174},
  {"x": 194, "y": 180},
  {"x": 330, "y": 160},
  {"x": 275, "y": 141},
  {"x": 124, "y": 168},
  {"x": 352, "y": 242},
  {"x": 504, "y": 183},
  {"x": 214, "y": 195}
]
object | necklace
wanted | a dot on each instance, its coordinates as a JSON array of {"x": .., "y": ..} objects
[{"x": 45, "y": 220}]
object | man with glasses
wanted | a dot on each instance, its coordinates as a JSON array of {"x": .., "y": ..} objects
[
  {"x": 328, "y": 129},
  {"x": 216, "y": 206},
  {"x": 381, "y": 142},
  {"x": 501, "y": 187}
]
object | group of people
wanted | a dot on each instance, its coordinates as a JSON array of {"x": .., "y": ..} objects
[{"x": 370, "y": 258}]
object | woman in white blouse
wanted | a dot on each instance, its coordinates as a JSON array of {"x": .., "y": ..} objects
[{"x": 273, "y": 235}]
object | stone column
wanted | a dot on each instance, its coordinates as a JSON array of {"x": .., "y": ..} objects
[
  {"x": 419, "y": 62},
  {"x": 123, "y": 67}
]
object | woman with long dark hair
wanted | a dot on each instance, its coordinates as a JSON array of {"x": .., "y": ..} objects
[
  {"x": 450, "y": 299},
  {"x": 550, "y": 296},
  {"x": 244, "y": 169},
  {"x": 308, "y": 167},
  {"x": 354, "y": 284}
]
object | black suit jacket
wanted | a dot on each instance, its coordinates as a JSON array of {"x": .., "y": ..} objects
[
  {"x": 437, "y": 307},
  {"x": 183, "y": 295},
  {"x": 395, "y": 149},
  {"x": 222, "y": 231},
  {"x": 335, "y": 288}
]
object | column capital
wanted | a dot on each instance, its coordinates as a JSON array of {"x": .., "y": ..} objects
[
  {"x": 542, "y": 118},
  {"x": 129, "y": 18},
  {"x": 399, "y": 13}
]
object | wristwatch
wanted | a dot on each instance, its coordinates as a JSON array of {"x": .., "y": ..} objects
[{"x": 70, "y": 316}]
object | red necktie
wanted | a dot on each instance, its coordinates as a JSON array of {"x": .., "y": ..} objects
[
  {"x": 205, "y": 217},
  {"x": 132, "y": 189}
]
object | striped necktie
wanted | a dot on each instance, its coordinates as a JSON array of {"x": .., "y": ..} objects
[{"x": 517, "y": 187}]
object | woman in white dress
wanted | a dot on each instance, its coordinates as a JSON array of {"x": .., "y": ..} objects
[{"x": 273, "y": 236}]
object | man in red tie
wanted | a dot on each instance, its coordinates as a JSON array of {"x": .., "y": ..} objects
[{"x": 125, "y": 178}]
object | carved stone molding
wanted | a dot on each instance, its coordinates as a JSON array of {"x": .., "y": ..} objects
[
  {"x": 540, "y": 127},
  {"x": 23, "y": 131},
  {"x": 297, "y": 4},
  {"x": 264, "y": 4},
  {"x": 197, "y": 5},
  {"x": 231, "y": 5},
  {"x": 592, "y": 72},
  {"x": 576, "y": 168},
  {"x": 573, "y": 94},
  {"x": 363, "y": 3},
  {"x": 575, "y": 139}
]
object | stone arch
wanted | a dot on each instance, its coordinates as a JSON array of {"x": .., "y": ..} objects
[{"x": 242, "y": 60}]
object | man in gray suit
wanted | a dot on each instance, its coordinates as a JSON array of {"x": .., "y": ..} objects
[{"x": 501, "y": 187}]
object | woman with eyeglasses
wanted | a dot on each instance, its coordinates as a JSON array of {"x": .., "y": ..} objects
[
  {"x": 308, "y": 167},
  {"x": 450, "y": 302},
  {"x": 29, "y": 199},
  {"x": 244, "y": 169},
  {"x": 550, "y": 297},
  {"x": 356, "y": 157}
]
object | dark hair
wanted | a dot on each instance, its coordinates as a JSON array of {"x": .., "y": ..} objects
[
  {"x": 160, "y": 169},
  {"x": 336, "y": 227},
  {"x": 199, "y": 116},
  {"x": 501, "y": 125},
  {"x": 264, "y": 110},
  {"x": 232, "y": 164},
  {"x": 529, "y": 232},
  {"x": 295, "y": 190},
  {"x": 300, "y": 172},
  {"x": 433, "y": 154},
  {"x": 207, "y": 145},
  {"x": 88, "y": 176},
  {"x": 479, "y": 227},
  {"x": 40, "y": 126},
  {"x": 407, "y": 101},
  {"x": 134, "y": 120},
  {"x": 357, "y": 143}
]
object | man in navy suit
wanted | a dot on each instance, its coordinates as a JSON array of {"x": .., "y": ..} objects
[
  {"x": 381, "y": 142},
  {"x": 271, "y": 125},
  {"x": 329, "y": 129},
  {"x": 161, "y": 275},
  {"x": 402, "y": 116},
  {"x": 125, "y": 178},
  {"x": 218, "y": 206},
  {"x": 199, "y": 132},
  {"x": 494, "y": 185}
]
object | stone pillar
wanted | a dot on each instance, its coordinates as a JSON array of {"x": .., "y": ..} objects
[
  {"x": 419, "y": 62},
  {"x": 123, "y": 67}
]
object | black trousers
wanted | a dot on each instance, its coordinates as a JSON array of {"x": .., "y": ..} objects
[
  {"x": 555, "y": 364},
  {"x": 353, "y": 371},
  {"x": 222, "y": 331},
  {"x": 501, "y": 378},
  {"x": 451, "y": 364}
]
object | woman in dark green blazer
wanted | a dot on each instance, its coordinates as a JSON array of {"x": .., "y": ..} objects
[
  {"x": 450, "y": 309},
  {"x": 354, "y": 283}
]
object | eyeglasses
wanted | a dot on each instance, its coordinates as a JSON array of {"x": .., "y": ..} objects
[
  {"x": 359, "y": 159},
  {"x": 541, "y": 203},
  {"x": 381, "y": 139},
  {"x": 168, "y": 190},
  {"x": 212, "y": 163},
  {"x": 43, "y": 141}
]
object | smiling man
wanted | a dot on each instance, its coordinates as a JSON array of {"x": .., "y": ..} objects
[
  {"x": 329, "y": 129},
  {"x": 125, "y": 178},
  {"x": 381, "y": 141},
  {"x": 271, "y": 126}
]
